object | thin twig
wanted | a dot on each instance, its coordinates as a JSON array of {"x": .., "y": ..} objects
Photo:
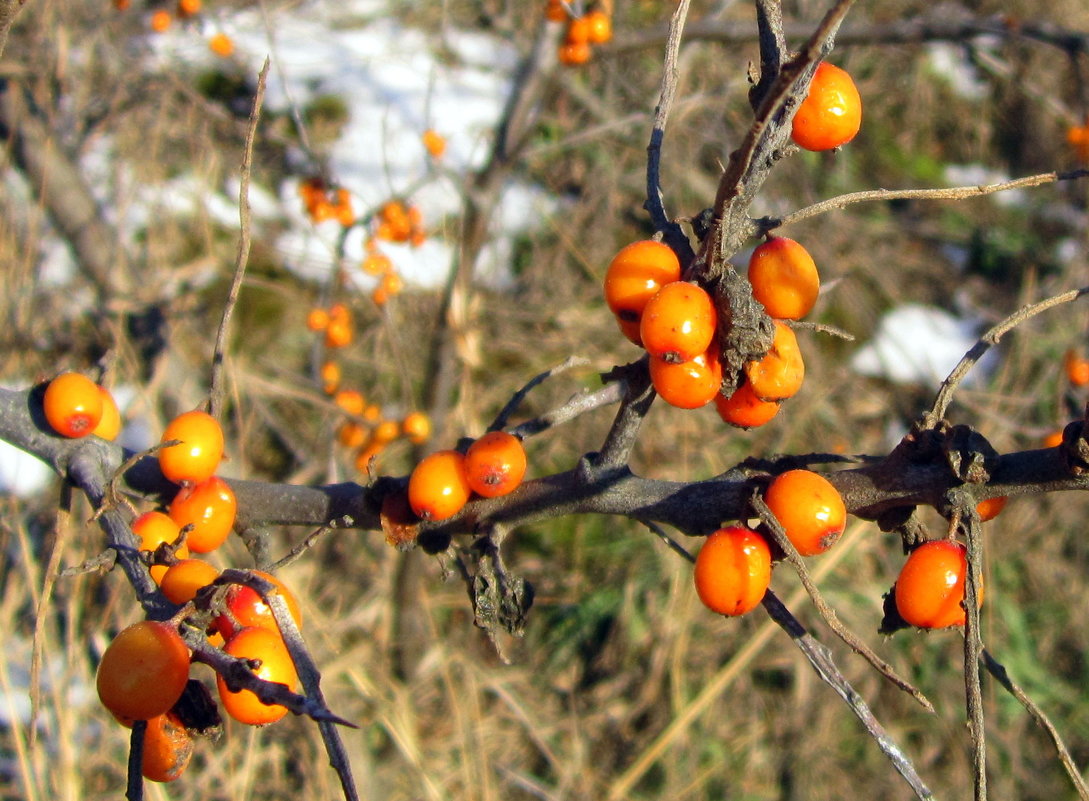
[
  {"x": 309, "y": 541},
  {"x": 827, "y": 612},
  {"x": 582, "y": 402},
  {"x": 512, "y": 405},
  {"x": 968, "y": 521},
  {"x": 998, "y": 670},
  {"x": 949, "y": 193},
  {"x": 217, "y": 391},
  {"x": 990, "y": 338},
  {"x": 673, "y": 545}
]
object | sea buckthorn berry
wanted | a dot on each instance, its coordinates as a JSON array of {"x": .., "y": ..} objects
[
  {"x": 143, "y": 671},
  {"x": 72, "y": 405},
  {"x": 744, "y": 410},
  {"x": 385, "y": 432},
  {"x": 809, "y": 508},
  {"x": 317, "y": 319},
  {"x": 268, "y": 648},
  {"x": 689, "y": 384},
  {"x": 495, "y": 464},
  {"x": 831, "y": 113},
  {"x": 1077, "y": 368},
  {"x": 338, "y": 334},
  {"x": 109, "y": 425},
  {"x": 634, "y": 275},
  {"x": 160, "y": 21},
  {"x": 599, "y": 27},
  {"x": 210, "y": 507},
  {"x": 154, "y": 529},
  {"x": 1054, "y": 439},
  {"x": 417, "y": 427},
  {"x": 183, "y": 579},
  {"x": 779, "y": 374},
  {"x": 678, "y": 322},
  {"x": 351, "y": 401},
  {"x": 168, "y": 747},
  {"x": 434, "y": 143},
  {"x": 733, "y": 570},
  {"x": 555, "y": 11},
  {"x": 351, "y": 434},
  {"x": 221, "y": 44},
  {"x": 438, "y": 488},
  {"x": 578, "y": 31},
  {"x": 199, "y": 451},
  {"x": 330, "y": 377},
  {"x": 245, "y": 608},
  {"x": 930, "y": 588},
  {"x": 365, "y": 455},
  {"x": 572, "y": 54},
  {"x": 991, "y": 508},
  {"x": 784, "y": 278}
]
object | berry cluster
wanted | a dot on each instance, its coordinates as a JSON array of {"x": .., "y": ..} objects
[
  {"x": 442, "y": 483},
  {"x": 161, "y": 20},
  {"x": 593, "y": 28},
  {"x": 324, "y": 202}
]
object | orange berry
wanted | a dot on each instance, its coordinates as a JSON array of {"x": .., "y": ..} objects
[
  {"x": 555, "y": 11},
  {"x": 438, "y": 487},
  {"x": 578, "y": 31},
  {"x": 930, "y": 588},
  {"x": 392, "y": 283},
  {"x": 351, "y": 401},
  {"x": 247, "y": 608},
  {"x": 635, "y": 275},
  {"x": 372, "y": 413},
  {"x": 143, "y": 671},
  {"x": 744, "y": 410},
  {"x": 1054, "y": 439},
  {"x": 366, "y": 454},
  {"x": 573, "y": 54},
  {"x": 266, "y": 647},
  {"x": 200, "y": 448},
  {"x": 210, "y": 507},
  {"x": 155, "y": 529},
  {"x": 1077, "y": 368},
  {"x": 317, "y": 319},
  {"x": 188, "y": 8},
  {"x": 168, "y": 747},
  {"x": 330, "y": 377},
  {"x": 689, "y": 384},
  {"x": 784, "y": 278},
  {"x": 678, "y": 322},
  {"x": 351, "y": 434},
  {"x": 109, "y": 425},
  {"x": 339, "y": 333},
  {"x": 809, "y": 508},
  {"x": 376, "y": 264},
  {"x": 160, "y": 21},
  {"x": 831, "y": 113},
  {"x": 417, "y": 427},
  {"x": 183, "y": 579},
  {"x": 72, "y": 404},
  {"x": 434, "y": 143},
  {"x": 779, "y": 373},
  {"x": 221, "y": 44},
  {"x": 495, "y": 464},
  {"x": 600, "y": 27},
  {"x": 991, "y": 508},
  {"x": 385, "y": 432},
  {"x": 733, "y": 570}
]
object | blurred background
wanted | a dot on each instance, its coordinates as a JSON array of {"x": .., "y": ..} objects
[{"x": 623, "y": 686}]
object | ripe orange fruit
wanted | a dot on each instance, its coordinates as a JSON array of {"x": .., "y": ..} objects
[
  {"x": 678, "y": 322},
  {"x": 210, "y": 507},
  {"x": 779, "y": 374},
  {"x": 160, "y": 21},
  {"x": 743, "y": 409},
  {"x": 1076, "y": 367},
  {"x": 351, "y": 401},
  {"x": 434, "y": 143},
  {"x": 199, "y": 452},
  {"x": 578, "y": 31},
  {"x": 188, "y": 8},
  {"x": 221, "y": 44},
  {"x": 317, "y": 319},
  {"x": 143, "y": 671},
  {"x": 276, "y": 666},
  {"x": 689, "y": 384},
  {"x": 417, "y": 427},
  {"x": 183, "y": 579},
  {"x": 495, "y": 464},
  {"x": 155, "y": 528},
  {"x": 109, "y": 425},
  {"x": 438, "y": 487},
  {"x": 599, "y": 26},
  {"x": 991, "y": 508},
  {"x": 809, "y": 508},
  {"x": 784, "y": 278},
  {"x": 338, "y": 333},
  {"x": 1054, "y": 439},
  {"x": 72, "y": 404},
  {"x": 168, "y": 747},
  {"x": 634, "y": 275},
  {"x": 330, "y": 377},
  {"x": 930, "y": 588},
  {"x": 831, "y": 113},
  {"x": 246, "y": 608},
  {"x": 733, "y": 570}
]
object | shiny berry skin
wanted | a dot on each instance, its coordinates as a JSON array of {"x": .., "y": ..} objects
[
  {"x": 744, "y": 410},
  {"x": 733, "y": 570},
  {"x": 417, "y": 427},
  {"x": 276, "y": 666},
  {"x": 809, "y": 508},
  {"x": 991, "y": 508},
  {"x": 199, "y": 452},
  {"x": 930, "y": 588},
  {"x": 495, "y": 464},
  {"x": 438, "y": 487},
  {"x": 109, "y": 425},
  {"x": 689, "y": 384},
  {"x": 784, "y": 278},
  {"x": 143, "y": 671},
  {"x": 778, "y": 375},
  {"x": 831, "y": 113},
  {"x": 635, "y": 274},
  {"x": 599, "y": 26},
  {"x": 678, "y": 322},
  {"x": 72, "y": 404},
  {"x": 155, "y": 528},
  {"x": 1076, "y": 368},
  {"x": 183, "y": 579},
  {"x": 168, "y": 747},
  {"x": 247, "y": 608},
  {"x": 210, "y": 507}
]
